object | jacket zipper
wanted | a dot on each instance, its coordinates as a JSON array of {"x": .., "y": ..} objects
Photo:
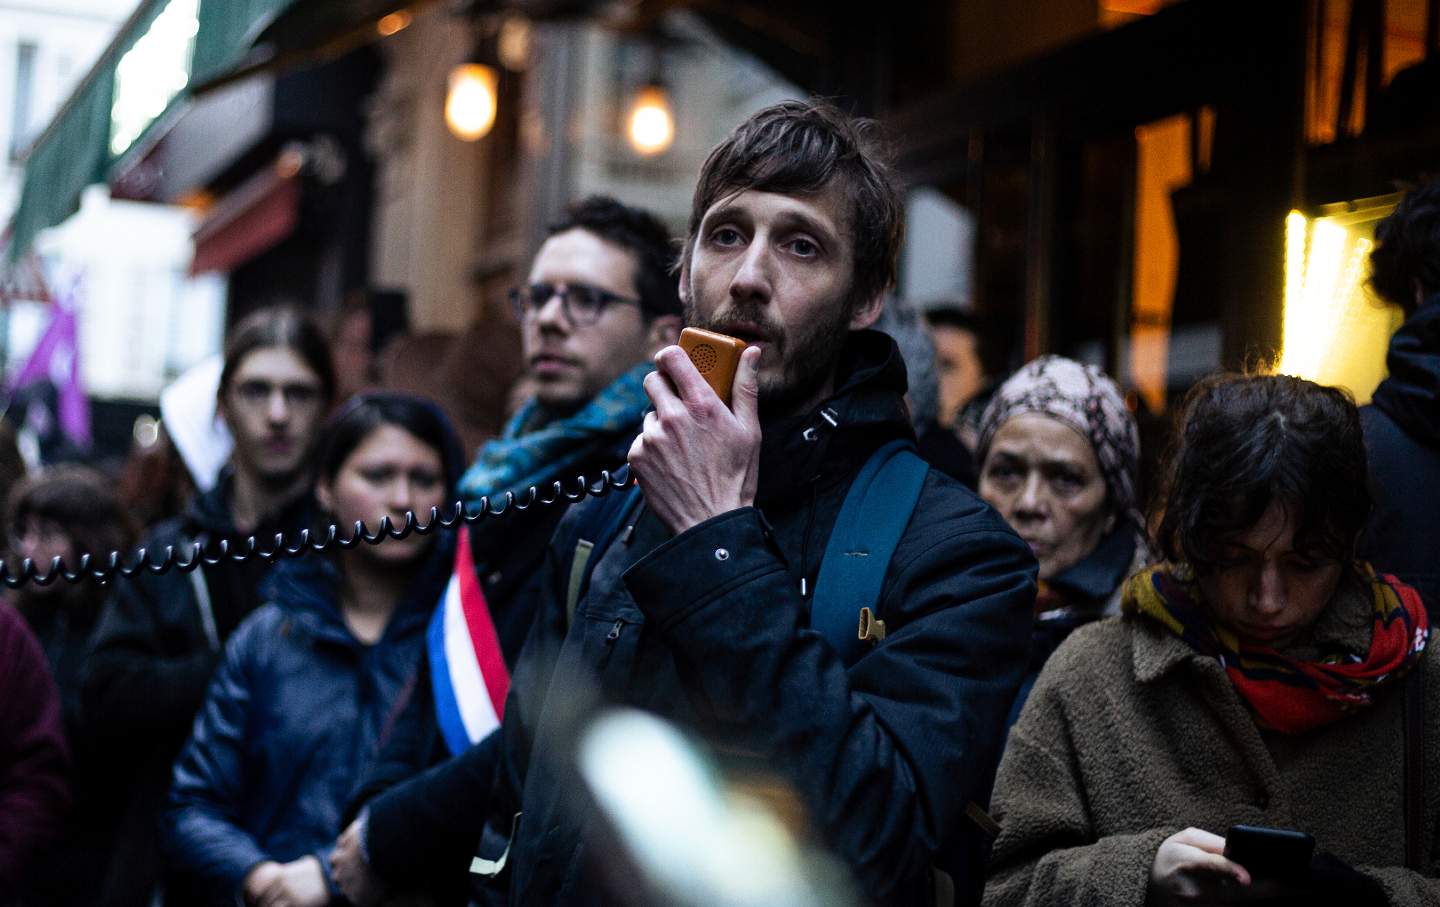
[
  {"x": 805, "y": 540},
  {"x": 614, "y": 633}
]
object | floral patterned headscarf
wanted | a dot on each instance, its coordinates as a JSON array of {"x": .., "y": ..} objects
[{"x": 1087, "y": 400}]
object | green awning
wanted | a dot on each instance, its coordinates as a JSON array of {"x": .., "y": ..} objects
[
  {"x": 75, "y": 150},
  {"x": 71, "y": 154},
  {"x": 228, "y": 28}
]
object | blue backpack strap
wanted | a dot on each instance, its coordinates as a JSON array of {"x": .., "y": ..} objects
[{"x": 876, "y": 511}]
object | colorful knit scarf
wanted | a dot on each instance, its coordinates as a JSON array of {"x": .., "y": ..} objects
[
  {"x": 1285, "y": 694},
  {"x": 523, "y": 456}
]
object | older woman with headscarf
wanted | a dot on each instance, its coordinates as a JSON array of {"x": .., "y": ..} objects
[{"x": 1059, "y": 455}]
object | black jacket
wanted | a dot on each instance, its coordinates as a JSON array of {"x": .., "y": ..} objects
[
  {"x": 886, "y": 755},
  {"x": 1402, "y": 442},
  {"x": 155, "y": 647}
]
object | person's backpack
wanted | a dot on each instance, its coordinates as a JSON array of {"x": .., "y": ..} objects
[{"x": 845, "y": 607}]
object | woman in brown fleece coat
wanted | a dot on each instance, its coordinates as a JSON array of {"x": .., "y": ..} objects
[{"x": 1259, "y": 676}]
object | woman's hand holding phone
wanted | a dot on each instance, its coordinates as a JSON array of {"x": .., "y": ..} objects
[{"x": 1190, "y": 868}]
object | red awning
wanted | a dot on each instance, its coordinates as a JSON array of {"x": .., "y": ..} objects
[{"x": 252, "y": 218}]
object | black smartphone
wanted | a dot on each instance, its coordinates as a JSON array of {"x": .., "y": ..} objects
[{"x": 1270, "y": 853}]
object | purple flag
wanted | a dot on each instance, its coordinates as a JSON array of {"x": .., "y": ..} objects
[{"x": 57, "y": 358}]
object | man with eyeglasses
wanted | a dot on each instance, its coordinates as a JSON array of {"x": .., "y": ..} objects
[{"x": 600, "y": 300}]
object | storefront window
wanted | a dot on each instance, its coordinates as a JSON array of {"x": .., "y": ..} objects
[{"x": 1403, "y": 46}]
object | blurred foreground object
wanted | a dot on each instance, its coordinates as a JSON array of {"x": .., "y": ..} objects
[{"x": 690, "y": 836}]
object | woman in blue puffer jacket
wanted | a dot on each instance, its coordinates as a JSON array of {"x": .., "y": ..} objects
[{"x": 311, "y": 680}]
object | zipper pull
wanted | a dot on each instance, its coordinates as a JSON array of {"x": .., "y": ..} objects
[{"x": 614, "y": 633}]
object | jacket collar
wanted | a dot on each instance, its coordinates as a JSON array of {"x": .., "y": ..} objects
[
  {"x": 1155, "y": 653},
  {"x": 1411, "y": 393},
  {"x": 826, "y": 444},
  {"x": 1096, "y": 577}
]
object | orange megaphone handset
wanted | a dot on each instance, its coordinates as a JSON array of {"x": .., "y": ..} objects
[{"x": 716, "y": 356}]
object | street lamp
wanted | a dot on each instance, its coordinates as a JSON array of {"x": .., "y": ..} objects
[
  {"x": 651, "y": 125},
  {"x": 471, "y": 101}
]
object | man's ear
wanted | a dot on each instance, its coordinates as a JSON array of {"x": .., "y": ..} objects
[
  {"x": 663, "y": 331},
  {"x": 685, "y": 280},
  {"x": 867, "y": 313}
]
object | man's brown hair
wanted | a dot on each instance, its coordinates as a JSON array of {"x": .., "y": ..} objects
[{"x": 799, "y": 148}]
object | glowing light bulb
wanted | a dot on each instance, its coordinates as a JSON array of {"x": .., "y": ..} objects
[
  {"x": 651, "y": 125},
  {"x": 394, "y": 23},
  {"x": 470, "y": 103}
]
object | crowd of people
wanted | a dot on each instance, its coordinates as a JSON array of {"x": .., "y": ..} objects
[{"x": 1063, "y": 690}]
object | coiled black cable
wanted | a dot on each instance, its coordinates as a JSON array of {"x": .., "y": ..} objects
[{"x": 141, "y": 561}]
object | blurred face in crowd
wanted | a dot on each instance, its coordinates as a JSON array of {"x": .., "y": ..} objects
[
  {"x": 1265, "y": 590},
  {"x": 389, "y": 473},
  {"x": 777, "y": 272},
  {"x": 574, "y": 354},
  {"x": 957, "y": 364},
  {"x": 273, "y": 406},
  {"x": 1044, "y": 479},
  {"x": 41, "y": 540}
]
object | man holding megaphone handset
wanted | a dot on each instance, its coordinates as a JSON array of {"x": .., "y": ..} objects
[{"x": 789, "y": 581}]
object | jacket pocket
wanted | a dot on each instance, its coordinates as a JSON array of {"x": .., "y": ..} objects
[{"x": 608, "y": 630}]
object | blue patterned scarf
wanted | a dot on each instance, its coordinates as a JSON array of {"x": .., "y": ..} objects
[{"x": 523, "y": 456}]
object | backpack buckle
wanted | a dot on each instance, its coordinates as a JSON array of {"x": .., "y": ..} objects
[{"x": 872, "y": 628}]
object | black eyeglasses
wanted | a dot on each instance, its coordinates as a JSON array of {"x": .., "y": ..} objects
[{"x": 581, "y": 303}]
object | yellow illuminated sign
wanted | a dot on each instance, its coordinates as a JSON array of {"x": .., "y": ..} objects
[{"x": 1335, "y": 332}]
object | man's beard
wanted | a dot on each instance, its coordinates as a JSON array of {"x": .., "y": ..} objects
[{"x": 807, "y": 356}]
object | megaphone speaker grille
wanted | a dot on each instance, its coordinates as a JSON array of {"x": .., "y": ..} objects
[{"x": 704, "y": 357}]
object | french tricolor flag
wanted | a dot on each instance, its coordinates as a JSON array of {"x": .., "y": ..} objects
[{"x": 467, "y": 668}]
